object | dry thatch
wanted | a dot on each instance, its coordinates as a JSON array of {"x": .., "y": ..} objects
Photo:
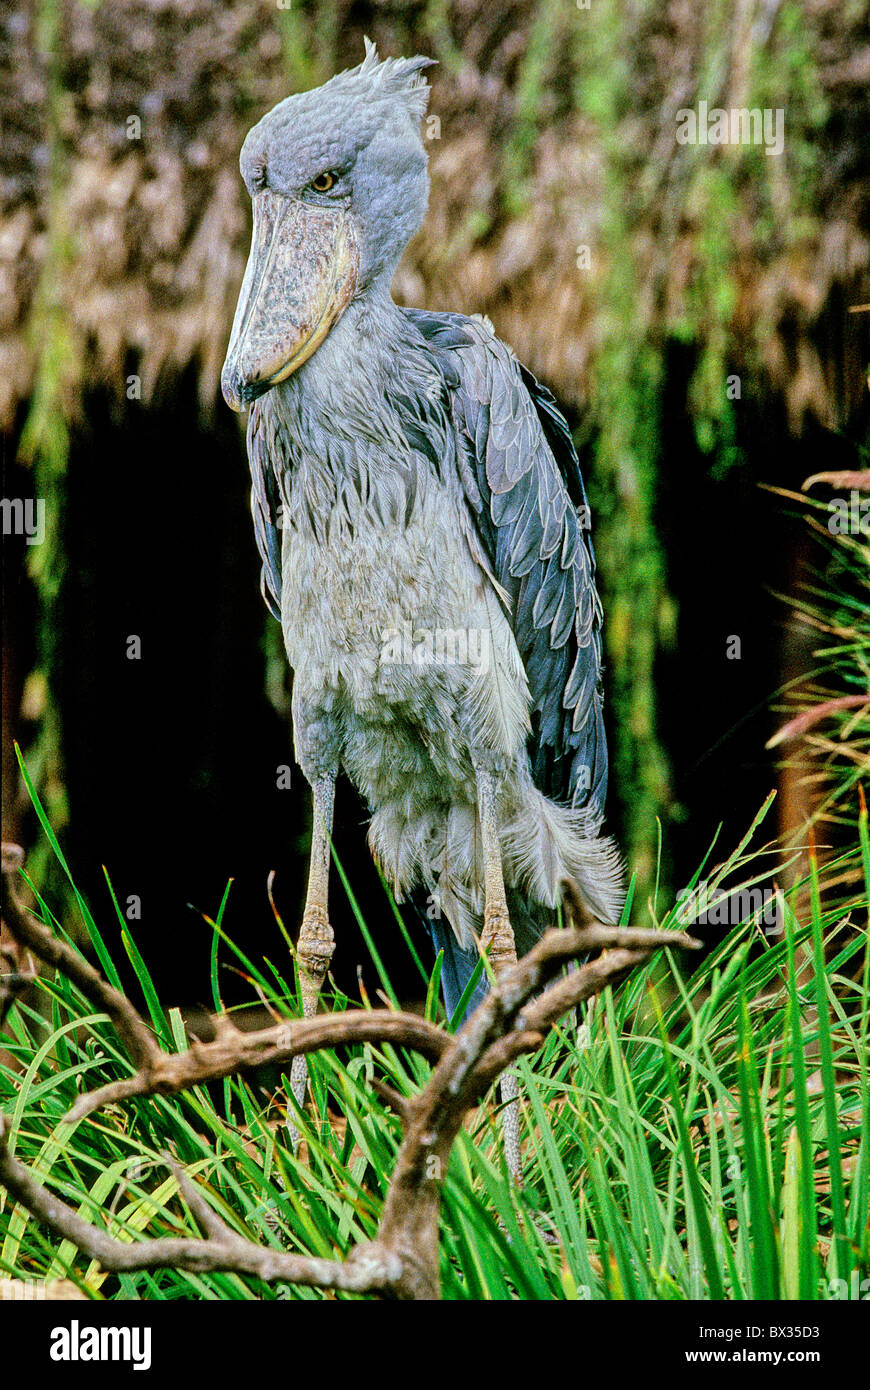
[{"x": 148, "y": 235}]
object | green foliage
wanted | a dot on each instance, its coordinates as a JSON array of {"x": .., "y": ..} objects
[
  {"x": 546, "y": 34},
  {"x": 308, "y": 40},
  {"x": 706, "y": 1140},
  {"x": 435, "y": 25}
]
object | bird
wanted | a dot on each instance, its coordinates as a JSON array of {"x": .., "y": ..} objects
[{"x": 424, "y": 533}]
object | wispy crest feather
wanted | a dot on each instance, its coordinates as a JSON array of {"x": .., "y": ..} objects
[{"x": 396, "y": 77}]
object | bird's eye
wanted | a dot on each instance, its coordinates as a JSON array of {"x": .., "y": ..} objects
[
  {"x": 323, "y": 182},
  {"x": 259, "y": 177}
]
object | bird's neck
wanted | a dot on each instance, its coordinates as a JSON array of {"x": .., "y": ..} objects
[
  {"x": 342, "y": 417},
  {"x": 361, "y": 350},
  {"x": 346, "y": 390}
]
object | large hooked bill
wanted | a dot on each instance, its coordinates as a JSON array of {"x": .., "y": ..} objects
[{"x": 300, "y": 277}]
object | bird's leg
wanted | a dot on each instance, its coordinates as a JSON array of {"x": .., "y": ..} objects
[
  {"x": 498, "y": 936},
  {"x": 498, "y": 939},
  {"x": 316, "y": 941}
]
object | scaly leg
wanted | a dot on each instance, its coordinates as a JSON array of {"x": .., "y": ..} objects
[
  {"x": 498, "y": 938},
  {"x": 316, "y": 941}
]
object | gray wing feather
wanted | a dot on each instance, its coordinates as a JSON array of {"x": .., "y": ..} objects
[{"x": 522, "y": 481}]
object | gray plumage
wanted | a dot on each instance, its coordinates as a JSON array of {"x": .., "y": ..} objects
[{"x": 411, "y": 478}]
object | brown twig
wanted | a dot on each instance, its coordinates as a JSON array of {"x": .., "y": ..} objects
[
  {"x": 17, "y": 969},
  {"x": 859, "y": 480},
  {"x": 810, "y": 717},
  {"x": 166, "y": 1073},
  {"x": 400, "y": 1105},
  {"x": 231, "y": 1050},
  {"x": 403, "y": 1261},
  {"x": 17, "y": 972},
  {"x": 500, "y": 1029},
  {"x": 222, "y": 1249}
]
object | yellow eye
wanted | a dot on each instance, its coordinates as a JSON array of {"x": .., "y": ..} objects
[{"x": 323, "y": 182}]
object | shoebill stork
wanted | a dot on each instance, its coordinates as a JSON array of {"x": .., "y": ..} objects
[{"x": 411, "y": 479}]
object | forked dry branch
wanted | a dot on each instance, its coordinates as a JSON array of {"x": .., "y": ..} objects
[{"x": 403, "y": 1259}]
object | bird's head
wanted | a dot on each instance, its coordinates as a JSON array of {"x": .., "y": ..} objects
[{"x": 339, "y": 184}]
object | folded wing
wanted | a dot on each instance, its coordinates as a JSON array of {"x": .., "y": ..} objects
[{"x": 522, "y": 483}]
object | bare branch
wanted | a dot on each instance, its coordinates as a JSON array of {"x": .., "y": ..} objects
[
  {"x": 17, "y": 969},
  {"x": 402, "y": 1106},
  {"x": 52, "y": 951},
  {"x": 367, "y": 1271},
  {"x": 527, "y": 1001},
  {"x": 231, "y": 1050},
  {"x": 500, "y": 1029},
  {"x": 538, "y": 1018}
]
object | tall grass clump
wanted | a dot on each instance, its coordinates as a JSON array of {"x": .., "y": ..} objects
[{"x": 702, "y": 1132}]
